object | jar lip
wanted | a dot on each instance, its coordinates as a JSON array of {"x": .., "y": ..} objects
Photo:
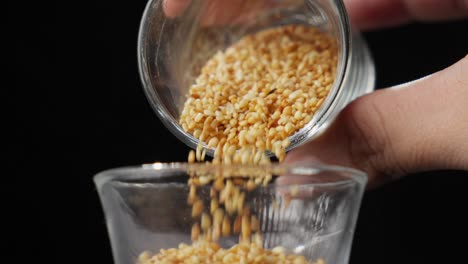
[{"x": 155, "y": 170}]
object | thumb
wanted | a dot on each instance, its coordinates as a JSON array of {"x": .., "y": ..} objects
[{"x": 422, "y": 125}]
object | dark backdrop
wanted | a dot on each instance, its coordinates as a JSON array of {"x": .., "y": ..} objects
[{"x": 78, "y": 108}]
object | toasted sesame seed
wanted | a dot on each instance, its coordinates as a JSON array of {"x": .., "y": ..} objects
[
  {"x": 195, "y": 232},
  {"x": 205, "y": 221},
  {"x": 213, "y": 206},
  {"x": 191, "y": 156},
  {"x": 226, "y": 226},
  {"x": 197, "y": 208}
]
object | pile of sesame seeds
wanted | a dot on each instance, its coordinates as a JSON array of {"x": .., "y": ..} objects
[
  {"x": 262, "y": 89},
  {"x": 203, "y": 252}
]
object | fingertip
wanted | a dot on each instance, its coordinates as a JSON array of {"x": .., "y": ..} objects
[
  {"x": 173, "y": 8},
  {"x": 372, "y": 14}
]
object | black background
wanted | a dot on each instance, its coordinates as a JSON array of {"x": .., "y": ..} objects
[{"x": 78, "y": 108}]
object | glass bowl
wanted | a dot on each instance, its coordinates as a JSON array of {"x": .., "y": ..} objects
[{"x": 146, "y": 208}]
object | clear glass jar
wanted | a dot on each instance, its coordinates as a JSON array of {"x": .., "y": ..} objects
[
  {"x": 171, "y": 52},
  {"x": 146, "y": 208}
]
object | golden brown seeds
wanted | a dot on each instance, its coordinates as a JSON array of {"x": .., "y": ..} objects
[
  {"x": 197, "y": 208},
  {"x": 320, "y": 261},
  {"x": 236, "y": 227},
  {"x": 213, "y": 205},
  {"x": 257, "y": 239},
  {"x": 240, "y": 202},
  {"x": 205, "y": 221},
  {"x": 195, "y": 232},
  {"x": 208, "y": 234},
  {"x": 245, "y": 97},
  {"x": 216, "y": 233},
  {"x": 213, "y": 142},
  {"x": 209, "y": 252},
  {"x": 278, "y": 250},
  {"x": 230, "y": 206},
  {"x": 249, "y": 99},
  {"x": 204, "y": 180},
  {"x": 246, "y": 211},
  {"x": 229, "y": 187},
  {"x": 198, "y": 151},
  {"x": 250, "y": 185},
  {"x": 254, "y": 223},
  {"x": 192, "y": 194},
  {"x": 245, "y": 227},
  {"x": 203, "y": 153},
  {"x": 219, "y": 184},
  {"x": 226, "y": 226},
  {"x": 223, "y": 195},
  {"x": 191, "y": 156},
  {"x": 144, "y": 256},
  {"x": 238, "y": 181},
  {"x": 213, "y": 193},
  {"x": 218, "y": 216}
]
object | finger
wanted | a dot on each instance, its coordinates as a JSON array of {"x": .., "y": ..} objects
[
  {"x": 371, "y": 14},
  {"x": 413, "y": 127},
  {"x": 173, "y": 8},
  {"x": 222, "y": 12}
]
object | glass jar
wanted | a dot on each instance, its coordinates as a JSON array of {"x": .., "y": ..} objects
[{"x": 172, "y": 50}]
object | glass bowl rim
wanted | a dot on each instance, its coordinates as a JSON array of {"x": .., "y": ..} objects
[{"x": 120, "y": 174}]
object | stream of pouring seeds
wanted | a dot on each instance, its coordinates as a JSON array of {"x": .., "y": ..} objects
[{"x": 248, "y": 99}]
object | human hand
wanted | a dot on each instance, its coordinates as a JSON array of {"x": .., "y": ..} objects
[
  {"x": 421, "y": 125},
  {"x": 365, "y": 14},
  {"x": 416, "y": 126},
  {"x": 373, "y": 14}
]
